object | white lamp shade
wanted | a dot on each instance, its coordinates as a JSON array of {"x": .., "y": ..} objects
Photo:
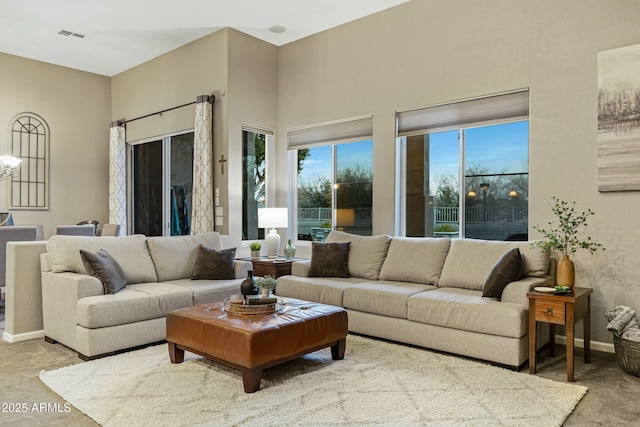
[
  {"x": 272, "y": 218},
  {"x": 10, "y": 161}
]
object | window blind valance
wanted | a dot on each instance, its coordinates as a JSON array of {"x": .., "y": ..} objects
[
  {"x": 256, "y": 129},
  {"x": 349, "y": 130},
  {"x": 468, "y": 113}
]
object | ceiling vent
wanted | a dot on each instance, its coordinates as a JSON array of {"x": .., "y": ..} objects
[{"x": 67, "y": 33}]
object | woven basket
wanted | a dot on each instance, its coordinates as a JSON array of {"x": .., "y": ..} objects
[{"x": 628, "y": 355}]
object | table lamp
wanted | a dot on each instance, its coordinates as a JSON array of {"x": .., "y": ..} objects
[{"x": 272, "y": 218}]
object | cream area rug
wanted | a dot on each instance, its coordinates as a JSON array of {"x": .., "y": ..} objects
[{"x": 377, "y": 383}]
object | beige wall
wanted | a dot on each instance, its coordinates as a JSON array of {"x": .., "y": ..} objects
[
  {"x": 240, "y": 70},
  {"x": 253, "y": 100},
  {"x": 76, "y": 106},
  {"x": 429, "y": 51}
]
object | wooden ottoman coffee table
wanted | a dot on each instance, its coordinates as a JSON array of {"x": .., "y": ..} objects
[{"x": 252, "y": 343}]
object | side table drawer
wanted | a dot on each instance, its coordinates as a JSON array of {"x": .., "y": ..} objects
[{"x": 550, "y": 311}]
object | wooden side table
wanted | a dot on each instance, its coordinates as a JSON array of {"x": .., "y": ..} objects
[
  {"x": 560, "y": 310},
  {"x": 272, "y": 267}
]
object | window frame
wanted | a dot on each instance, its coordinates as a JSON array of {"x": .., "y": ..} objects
[
  {"x": 42, "y": 174},
  {"x": 166, "y": 179},
  {"x": 268, "y": 171},
  {"x": 502, "y": 108}
]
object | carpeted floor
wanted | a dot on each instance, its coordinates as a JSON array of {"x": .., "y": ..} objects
[
  {"x": 377, "y": 383},
  {"x": 609, "y": 402}
]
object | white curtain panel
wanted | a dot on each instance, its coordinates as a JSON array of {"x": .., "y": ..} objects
[
  {"x": 118, "y": 175},
  {"x": 202, "y": 211}
]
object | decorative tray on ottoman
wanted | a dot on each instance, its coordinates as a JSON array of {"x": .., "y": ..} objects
[{"x": 253, "y": 308}]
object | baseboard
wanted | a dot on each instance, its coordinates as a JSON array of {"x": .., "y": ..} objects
[
  {"x": 22, "y": 337},
  {"x": 595, "y": 345}
]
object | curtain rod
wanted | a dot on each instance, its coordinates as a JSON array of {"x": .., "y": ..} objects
[{"x": 212, "y": 99}]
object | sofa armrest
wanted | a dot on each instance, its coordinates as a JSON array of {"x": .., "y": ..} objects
[
  {"x": 60, "y": 295},
  {"x": 240, "y": 268},
  {"x": 301, "y": 268},
  {"x": 516, "y": 292}
]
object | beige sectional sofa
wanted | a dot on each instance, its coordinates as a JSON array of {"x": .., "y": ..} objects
[
  {"x": 428, "y": 292},
  {"x": 158, "y": 270}
]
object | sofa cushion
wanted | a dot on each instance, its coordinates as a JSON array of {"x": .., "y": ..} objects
[
  {"x": 418, "y": 260},
  {"x": 465, "y": 309},
  {"x": 366, "y": 254},
  {"x": 469, "y": 261},
  {"x": 329, "y": 260},
  {"x": 508, "y": 269},
  {"x": 382, "y": 297},
  {"x": 214, "y": 265},
  {"x": 175, "y": 256},
  {"x": 325, "y": 290},
  {"x": 207, "y": 291},
  {"x": 102, "y": 265},
  {"x": 135, "y": 303},
  {"x": 129, "y": 251}
]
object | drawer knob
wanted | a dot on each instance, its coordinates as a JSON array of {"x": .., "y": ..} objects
[{"x": 549, "y": 311}]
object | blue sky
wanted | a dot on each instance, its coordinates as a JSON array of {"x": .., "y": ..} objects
[
  {"x": 498, "y": 148},
  {"x": 318, "y": 164}
]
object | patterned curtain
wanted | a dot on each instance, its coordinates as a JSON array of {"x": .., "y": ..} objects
[
  {"x": 118, "y": 176},
  {"x": 202, "y": 211}
]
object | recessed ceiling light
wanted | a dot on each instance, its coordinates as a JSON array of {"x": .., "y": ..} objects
[{"x": 278, "y": 29}]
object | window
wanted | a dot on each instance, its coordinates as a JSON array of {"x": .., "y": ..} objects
[
  {"x": 254, "y": 169},
  {"x": 162, "y": 183},
  {"x": 334, "y": 178},
  {"x": 30, "y": 142},
  {"x": 466, "y": 176}
]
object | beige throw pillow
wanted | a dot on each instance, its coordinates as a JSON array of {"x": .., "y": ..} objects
[
  {"x": 415, "y": 259},
  {"x": 366, "y": 253}
]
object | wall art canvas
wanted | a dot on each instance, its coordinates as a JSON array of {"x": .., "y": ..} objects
[{"x": 619, "y": 119}]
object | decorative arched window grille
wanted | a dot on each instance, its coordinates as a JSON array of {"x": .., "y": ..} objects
[{"x": 30, "y": 142}]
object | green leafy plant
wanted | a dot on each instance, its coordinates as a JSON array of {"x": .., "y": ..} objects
[
  {"x": 267, "y": 282},
  {"x": 564, "y": 236},
  {"x": 255, "y": 246},
  {"x": 326, "y": 224},
  {"x": 445, "y": 228}
]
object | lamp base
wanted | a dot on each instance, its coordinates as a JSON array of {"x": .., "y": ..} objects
[{"x": 272, "y": 240}]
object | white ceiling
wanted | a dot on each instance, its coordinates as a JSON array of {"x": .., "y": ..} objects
[{"x": 121, "y": 34}]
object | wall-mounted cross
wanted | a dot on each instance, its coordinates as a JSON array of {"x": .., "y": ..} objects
[{"x": 222, "y": 161}]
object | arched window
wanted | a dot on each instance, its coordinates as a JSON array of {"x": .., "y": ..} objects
[{"x": 30, "y": 142}]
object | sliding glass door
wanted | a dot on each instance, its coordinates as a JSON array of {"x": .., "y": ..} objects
[{"x": 161, "y": 183}]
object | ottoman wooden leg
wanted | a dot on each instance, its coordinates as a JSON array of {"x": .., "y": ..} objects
[
  {"x": 251, "y": 379},
  {"x": 337, "y": 350},
  {"x": 175, "y": 354}
]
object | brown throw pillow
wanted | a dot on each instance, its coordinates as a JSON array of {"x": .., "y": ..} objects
[
  {"x": 507, "y": 269},
  {"x": 329, "y": 259},
  {"x": 102, "y": 265},
  {"x": 214, "y": 265}
]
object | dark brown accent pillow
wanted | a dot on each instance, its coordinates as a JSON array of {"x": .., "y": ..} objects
[
  {"x": 102, "y": 265},
  {"x": 507, "y": 269},
  {"x": 214, "y": 265},
  {"x": 329, "y": 259}
]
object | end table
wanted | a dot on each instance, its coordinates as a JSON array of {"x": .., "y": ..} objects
[
  {"x": 560, "y": 310},
  {"x": 275, "y": 267}
]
